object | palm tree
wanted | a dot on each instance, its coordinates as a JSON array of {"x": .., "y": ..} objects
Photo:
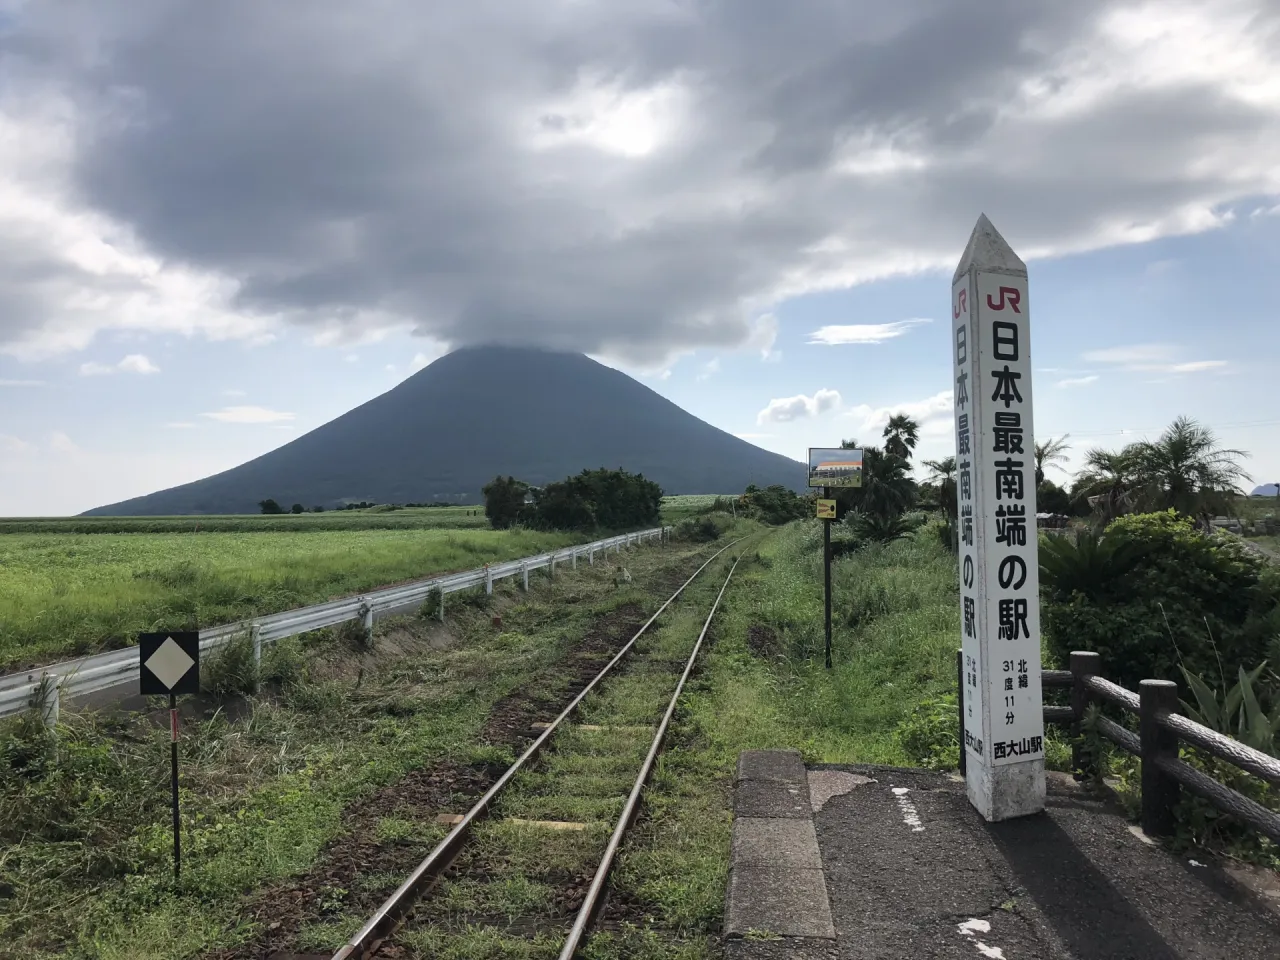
[
  {"x": 1108, "y": 480},
  {"x": 941, "y": 470},
  {"x": 901, "y": 434},
  {"x": 886, "y": 491},
  {"x": 1052, "y": 451},
  {"x": 1187, "y": 471},
  {"x": 943, "y": 473}
]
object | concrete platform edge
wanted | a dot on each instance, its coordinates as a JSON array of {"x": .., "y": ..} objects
[{"x": 782, "y": 895}]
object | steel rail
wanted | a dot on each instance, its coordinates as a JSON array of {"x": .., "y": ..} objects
[
  {"x": 586, "y": 912},
  {"x": 396, "y": 907}
]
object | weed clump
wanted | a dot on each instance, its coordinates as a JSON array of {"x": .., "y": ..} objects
[
  {"x": 352, "y": 634},
  {"x": 231, "y": 670},
  {"x": 431, "y": 605},
  {"x": 700, "y": 529}
]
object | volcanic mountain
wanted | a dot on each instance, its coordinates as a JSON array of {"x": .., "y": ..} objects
[{"x": 478, "y": 412}]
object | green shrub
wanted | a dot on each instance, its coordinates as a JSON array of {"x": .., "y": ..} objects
[
  {"x": 283, "y": 662},
  {"x": 1198, "y": 824},
  {"x": 930, "y": 734},
  {"x": 1237, "y": 712},
  {"x": 776, "y": 505},
  {"x": 876, "y": 528},
  {"x": 700, "y": 529},
  {"x": 1152, "y": 595}
]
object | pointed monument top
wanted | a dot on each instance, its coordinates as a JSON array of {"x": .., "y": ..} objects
[{"x": 988, "y": 252}]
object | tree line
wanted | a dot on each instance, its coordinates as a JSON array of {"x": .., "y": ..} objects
[
  {"x": 1185, "y": 469},
  {"x": 592, "y": 500}
]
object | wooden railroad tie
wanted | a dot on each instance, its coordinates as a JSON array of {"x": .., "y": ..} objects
[
  {"x": 453, "y": 819},
  {"x": 548, "y": 824}
]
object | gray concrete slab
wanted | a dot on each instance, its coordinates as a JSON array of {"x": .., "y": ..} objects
[
  {"x": 913, "y": 871},
  {"x": 783, "y": 766},
  {"x": 825, "y": 784},
  {"x": 782, "y": 901},
  {"x": 773, "y": 841},
  {"x": 771, "y": 798}
]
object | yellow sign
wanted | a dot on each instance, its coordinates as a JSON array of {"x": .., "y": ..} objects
[{"x": 826, "y": 509}]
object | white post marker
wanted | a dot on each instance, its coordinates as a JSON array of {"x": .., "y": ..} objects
[{"x": 996, "y": 501}]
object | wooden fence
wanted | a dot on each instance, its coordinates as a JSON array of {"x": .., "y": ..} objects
[{"x": 1161, "y": 730}]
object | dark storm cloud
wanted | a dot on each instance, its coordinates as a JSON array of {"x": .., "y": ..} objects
[{"x": 342, "y": 161}]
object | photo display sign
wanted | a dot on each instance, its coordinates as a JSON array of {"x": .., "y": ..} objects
[
  {"x": 996, "y": 507},
  {"x": 830, "y": 467}
]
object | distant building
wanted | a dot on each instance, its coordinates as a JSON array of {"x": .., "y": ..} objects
[{"x": 838, "y": 468}]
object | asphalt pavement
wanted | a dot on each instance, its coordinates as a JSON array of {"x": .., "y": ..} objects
[{"x": 910, "y": 870}]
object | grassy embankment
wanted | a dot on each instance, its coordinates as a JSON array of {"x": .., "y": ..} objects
[
  {"x": 68, "y": 594},
  {"x": 84, "y": 835}
]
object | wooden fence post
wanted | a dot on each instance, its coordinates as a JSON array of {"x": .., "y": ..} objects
[
  {"x": 1160, "y": 791},
  {"x": 1084, "y": 664}
]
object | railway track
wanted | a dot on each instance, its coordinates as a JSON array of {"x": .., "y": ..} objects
[{"x": 530, "y": 859}]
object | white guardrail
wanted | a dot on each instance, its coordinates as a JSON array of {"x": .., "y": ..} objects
[{"x": 102, "y": 671}]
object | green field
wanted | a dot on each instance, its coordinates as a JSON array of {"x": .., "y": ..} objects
[
  {"x": 76, "y": 585},
  {"x": 67, "y": 594},
  {"x": 374, "y": 518},
  {"x": 678, "y": 508}
]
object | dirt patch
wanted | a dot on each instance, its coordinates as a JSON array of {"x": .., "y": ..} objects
[
  {"x": 285, "y": 909},
  {"x": 543, "y": 698},
  {"x": 763, "y": 641}
]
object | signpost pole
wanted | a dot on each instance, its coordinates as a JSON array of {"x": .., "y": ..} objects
[
  {"x": 826, "y": 574},
  {"x": 169, "y": 665},
  {"x": 1003, "y": 719},
  {"x": 839, "y": 468},
  {"x": 173, "y": 782}
]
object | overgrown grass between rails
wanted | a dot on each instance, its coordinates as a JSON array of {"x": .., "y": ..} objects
[
  {"x": 64, "y": 595},
  {"x": 500, "y": 892},
  {"x": 84, "y": 823}
]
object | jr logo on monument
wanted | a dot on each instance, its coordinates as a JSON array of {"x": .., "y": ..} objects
[{"x": 996, "y": 501}]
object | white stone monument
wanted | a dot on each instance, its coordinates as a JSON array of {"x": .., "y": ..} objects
[{"x": 996, "y": 513}]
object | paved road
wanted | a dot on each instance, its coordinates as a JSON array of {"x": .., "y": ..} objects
[{"x": 913, "y": 872}]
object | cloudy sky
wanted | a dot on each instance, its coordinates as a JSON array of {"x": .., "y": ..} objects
[{"x": 222, "y": 225}]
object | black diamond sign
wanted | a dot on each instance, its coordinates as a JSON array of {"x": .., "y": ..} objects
[{"x": 169, "y": 663}]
